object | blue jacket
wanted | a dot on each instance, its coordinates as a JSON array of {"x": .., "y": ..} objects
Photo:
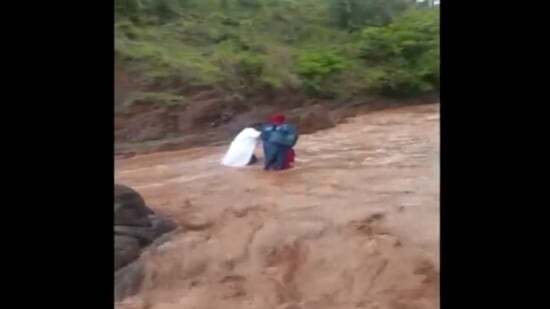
[{"x": 284, "y": 135}]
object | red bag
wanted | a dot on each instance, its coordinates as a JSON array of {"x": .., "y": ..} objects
[{"x": 290, "y": 156}]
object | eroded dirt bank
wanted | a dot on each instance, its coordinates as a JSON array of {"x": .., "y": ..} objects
[
  {"x": 211, "y": 117},
  {"x": 354, "y": 225}
]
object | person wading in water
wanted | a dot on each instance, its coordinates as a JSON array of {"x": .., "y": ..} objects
[
  {"x": 278, "y": 139},
  {"x": 241, "y": 150}
]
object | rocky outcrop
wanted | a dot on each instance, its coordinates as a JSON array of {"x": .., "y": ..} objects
[
  {"x": 130, "y": 208},
  {"x": 136, "y": 227}
]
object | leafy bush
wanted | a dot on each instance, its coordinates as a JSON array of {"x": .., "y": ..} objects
[
  {"x": 315, "y": 67},
  {"x": 161, "y": 98},
  {"x": 242, "y": 71},
  {"x": 403, "y": 57},
  {"x": 246, "y": 46},
  {"x": 355, "y": 14}
]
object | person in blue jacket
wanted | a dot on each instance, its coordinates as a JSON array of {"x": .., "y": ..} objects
[{"x": 278, "y": 139}]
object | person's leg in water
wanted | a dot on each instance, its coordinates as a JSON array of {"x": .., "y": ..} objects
[
  {"x": 253, "y": 160},
  {"x": 270, "y": 155},
  {"x": 287, "y": 159},
  {"x": 277, "y": 157},
  {"x": 281, "y": 161}
]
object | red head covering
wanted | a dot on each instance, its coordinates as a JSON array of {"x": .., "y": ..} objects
[{"x": 277, "y": 119}]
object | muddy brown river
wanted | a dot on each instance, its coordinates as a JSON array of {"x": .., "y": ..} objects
[{"x": 354, "y": 225}]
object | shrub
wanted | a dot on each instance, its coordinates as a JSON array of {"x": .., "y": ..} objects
[
  {"x": 315, "y": 67},
  {"x": 403, "y": 57},
  {"x": 246, "y": 46}
]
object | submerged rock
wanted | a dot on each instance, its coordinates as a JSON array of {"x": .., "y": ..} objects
[
  {"x": 128, "y": 280},
  {"x": 130, "y": 208},
  {"x": 136, "y": 227}
]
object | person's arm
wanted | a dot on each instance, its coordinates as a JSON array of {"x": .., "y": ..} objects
[
  {"x": 263, "y": 134},
  {"x": 255, "y": 133}
]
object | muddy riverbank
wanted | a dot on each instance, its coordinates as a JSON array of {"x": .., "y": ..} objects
[{"x": 354, "y": 225}]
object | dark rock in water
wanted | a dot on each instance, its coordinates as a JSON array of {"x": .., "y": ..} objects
[
  {"x": 159, "y": 241},
  {"x": 130, "y": 208},
  {"x": 127, "y": 249},
  {"x": 136, "y": 228},
  {"x": 145, "y": 235},
  {"x": 162, "y": 225},
  {"x": 128, "y": 280}
]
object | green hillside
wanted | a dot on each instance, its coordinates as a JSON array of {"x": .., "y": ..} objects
[{"x": 323, "y": 48}]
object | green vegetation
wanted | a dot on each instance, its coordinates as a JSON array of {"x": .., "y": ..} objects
[
  {"x": 158, "y": 97},
  {"x": 325, "y": 48}
]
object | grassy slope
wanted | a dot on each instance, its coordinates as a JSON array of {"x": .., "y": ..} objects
[{"x": 241, "y": 46}]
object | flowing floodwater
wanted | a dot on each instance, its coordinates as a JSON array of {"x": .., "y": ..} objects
[{"x": 354, "y": 225}]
